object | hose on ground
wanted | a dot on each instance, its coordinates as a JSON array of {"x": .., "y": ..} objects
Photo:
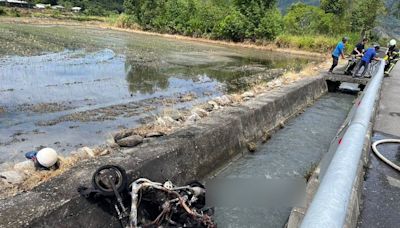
[{"x": 376, "y": 151}]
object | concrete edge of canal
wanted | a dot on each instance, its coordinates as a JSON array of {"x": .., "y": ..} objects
[
  {"x": 353, "y": 209},
  {"x": 190, "y": 153}
]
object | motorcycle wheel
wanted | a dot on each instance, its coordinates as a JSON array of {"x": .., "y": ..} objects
[{"x": 116, "y": 174}]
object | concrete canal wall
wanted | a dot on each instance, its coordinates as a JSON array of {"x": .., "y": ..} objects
[
  {"x": 353, "y": 209},
  {"x": 190, "y": 153},
  {"x": 334, "y": 189}
]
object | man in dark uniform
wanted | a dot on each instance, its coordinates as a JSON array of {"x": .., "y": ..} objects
[{"x": 357, "y": 52}]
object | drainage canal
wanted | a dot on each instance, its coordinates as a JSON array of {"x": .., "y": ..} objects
[{"x": 291, "y": 154}]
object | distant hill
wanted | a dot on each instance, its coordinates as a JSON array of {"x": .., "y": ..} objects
[{"x": 389, "y": 26}]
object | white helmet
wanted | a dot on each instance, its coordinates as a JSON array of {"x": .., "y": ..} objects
[
  {"x": 392, "y": 42},
  {"x": 47, "y": 157}
]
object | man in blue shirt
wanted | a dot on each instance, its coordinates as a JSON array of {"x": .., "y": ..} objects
[
  {"x": 369, "y": 55},
  {"x": 358, "y": 51},
  {"x": 339, "y": 51}
]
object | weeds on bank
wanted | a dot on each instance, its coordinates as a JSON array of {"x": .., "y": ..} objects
[{"x": 317, "y": 43}]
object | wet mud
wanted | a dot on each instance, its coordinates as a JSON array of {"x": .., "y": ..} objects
[{"x": 71, "y": 86}]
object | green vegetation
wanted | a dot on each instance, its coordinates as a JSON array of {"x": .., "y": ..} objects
[
  {"x": 315, "y": 25},
  {"x": 337, "y": 7},
  {"x": 321, "y": 43},
  {"x": 235, "y": 20},
  {"x": 2, "y": 11},
  {"x": 303, "y": 26},
  {"x": 303, "y": 19},
  {"x": 11, "y": 12},
  {"x": 364, "y": 18}
]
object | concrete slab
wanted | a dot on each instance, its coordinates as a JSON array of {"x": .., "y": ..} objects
[{"x": 338, "y": 77}]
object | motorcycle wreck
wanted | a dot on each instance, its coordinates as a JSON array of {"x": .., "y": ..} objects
[{"x": 144, "y": 203}]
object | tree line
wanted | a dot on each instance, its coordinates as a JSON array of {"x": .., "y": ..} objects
[{"x": 240, "y": 20}]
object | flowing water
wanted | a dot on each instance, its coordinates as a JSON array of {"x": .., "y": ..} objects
[
  {"x": 70, "y": 86},
  {"x": 279, "y": 167}
]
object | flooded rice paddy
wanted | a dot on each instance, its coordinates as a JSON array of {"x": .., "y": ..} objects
[{"x": 70, "y": 86}]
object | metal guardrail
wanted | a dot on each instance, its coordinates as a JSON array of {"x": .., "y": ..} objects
[{"x": 329, "y": 206}]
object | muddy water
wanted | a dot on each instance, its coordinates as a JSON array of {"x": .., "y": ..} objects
[
  {"x": 285, "y": 160},
  {"x": 70, "y": 86}
]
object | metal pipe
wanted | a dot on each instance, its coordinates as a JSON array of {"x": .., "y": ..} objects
[{"x": 329, "y": 206}]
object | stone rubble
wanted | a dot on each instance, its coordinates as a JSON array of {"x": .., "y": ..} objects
[
  {"x": 130, "y": 141},
  {"x": 13, "y": 177}
]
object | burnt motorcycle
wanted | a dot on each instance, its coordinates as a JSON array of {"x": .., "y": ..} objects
[{"x": 144, "y": 203}]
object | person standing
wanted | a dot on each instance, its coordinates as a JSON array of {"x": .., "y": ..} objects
[
  {"x": 358, "y": 51},
  {"x": 369, "y": 55},
  {"x": 339, "y": 51}
]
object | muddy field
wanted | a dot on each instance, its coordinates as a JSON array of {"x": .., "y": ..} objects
[{"x": 71, "y": 86}]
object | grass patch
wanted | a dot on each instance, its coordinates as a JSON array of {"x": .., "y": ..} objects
[
  {"x": 315, "y": 43},
  {"x": 123, "y": 21},
  {"x": 10, "y": 12},
  {"x": 2, "y": 11},
  {"x": 67, "y": 16},
  {"x": 48, "y": 13}
]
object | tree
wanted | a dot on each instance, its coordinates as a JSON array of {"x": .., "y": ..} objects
[
  {"x": 132, "y": 7},
  {"x": 337, "y": 7},
  {"x": 271, "y": 25},
  {"x": 253, "y": 10},
  {"x": 304, "y": 19},
  {"x": 364, "y": 15},
  {"x": 233, "y": 26},
  {"x": 205, "y": 18}
]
